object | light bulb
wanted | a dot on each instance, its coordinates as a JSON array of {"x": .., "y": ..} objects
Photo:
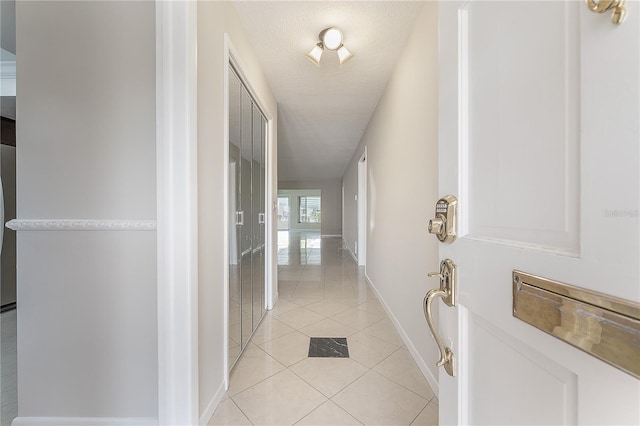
[{"x": 332, "y": 38}]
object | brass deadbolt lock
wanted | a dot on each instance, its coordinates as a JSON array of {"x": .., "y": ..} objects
[{"x": 444, "y": 224}]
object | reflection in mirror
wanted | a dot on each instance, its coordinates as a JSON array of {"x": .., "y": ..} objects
[
  {"x": 235, "y": 324},
  {"x": 247, "y": 141},
  {"x": 258, "y": 244},
  {"x": 246, "y": 230},
  {"x": 263, "y": 209}
]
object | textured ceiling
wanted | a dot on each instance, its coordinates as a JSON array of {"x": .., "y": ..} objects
[{"x": 323, "y": 111}]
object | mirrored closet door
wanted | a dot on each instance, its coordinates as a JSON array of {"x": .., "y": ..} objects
[{"x": 247, "y": 190}]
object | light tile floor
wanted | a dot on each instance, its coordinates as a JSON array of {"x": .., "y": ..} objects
[{"x": 323, "y": 293}]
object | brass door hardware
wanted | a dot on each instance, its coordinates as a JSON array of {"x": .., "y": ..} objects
[
  {"x": 601, "y": 325},
  {"x": 447, "y": 291},
  {"x": 602, "y": 6},
  {"x": 444, "y": 224}
]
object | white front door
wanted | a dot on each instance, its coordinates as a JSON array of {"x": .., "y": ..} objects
[{"x": 539, "y": 140}]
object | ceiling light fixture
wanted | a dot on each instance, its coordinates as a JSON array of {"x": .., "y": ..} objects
[{"x": 330, "y": 39}]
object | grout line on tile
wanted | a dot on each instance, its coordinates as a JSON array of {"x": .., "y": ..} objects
[{"x": 243, "y": 413}]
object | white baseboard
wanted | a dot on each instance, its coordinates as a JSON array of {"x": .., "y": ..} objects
[
  {"x": 207, "y": 414},
  {"x": 84, "y": 421},
  {"x": 347, "y": 248},
  {"x": 422, "y": 365},
  {"x": 274, "y": 301}
]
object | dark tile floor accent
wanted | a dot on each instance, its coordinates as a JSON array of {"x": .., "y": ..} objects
[{"x": 329, "y": 347}]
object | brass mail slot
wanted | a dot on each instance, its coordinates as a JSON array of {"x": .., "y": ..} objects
[{"x": 603, "y": 326}]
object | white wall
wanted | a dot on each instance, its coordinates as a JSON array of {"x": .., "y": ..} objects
[
  {"x": 402, "y": 159},
  {"x": 331, "y": 202},
  {"x": 87, "y": 320},
  {"x": 214, "y": 19}
]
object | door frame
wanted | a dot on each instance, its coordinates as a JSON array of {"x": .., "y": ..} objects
[
  {"x": 177, "y": 212},
  {"x": 232, "y": 57},
  {"x": 177, "y": 207},
  {"x": 361, "y": 253}
]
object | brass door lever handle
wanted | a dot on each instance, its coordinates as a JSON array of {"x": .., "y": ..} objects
[
  {"x": 446, "y": 354},
  {"x": 447, "y": 292},
  {"x": 619, "y": 13}
]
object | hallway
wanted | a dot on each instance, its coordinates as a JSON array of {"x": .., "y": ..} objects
[{"x": 323, "y": 293}]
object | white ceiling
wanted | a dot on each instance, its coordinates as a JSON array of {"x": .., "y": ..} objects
[{"x": 323, "y": 111}]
